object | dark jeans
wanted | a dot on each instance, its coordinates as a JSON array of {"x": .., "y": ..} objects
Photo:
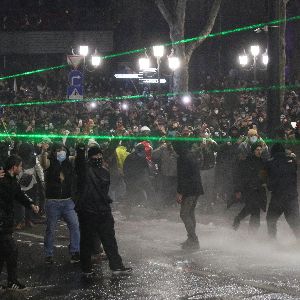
[
  {"x": 9, "y": 254},
  {"x": 141, "y": 191},
  {"x": 103, "y": 226},
  {"x": 255, "y": 200},
  {"x": 290, "y": 208},
  {"x": 254, "y": 212},
  {"x": 187, "y": 215}
]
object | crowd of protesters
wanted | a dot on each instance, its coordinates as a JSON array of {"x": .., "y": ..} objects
[{"x": 230, "y": 162}]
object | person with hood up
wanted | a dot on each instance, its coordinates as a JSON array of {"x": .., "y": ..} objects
[
  {"x": 250, "y": 186},
  {"x": 189, "y": 188},
  {"x": 137, "y": 177},
  {"x": 282, "y": 182},
  {"x": 59, "y": 182},
  {"x": 94, "y": 212}
]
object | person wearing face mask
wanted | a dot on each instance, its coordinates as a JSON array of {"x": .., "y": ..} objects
[
  {"x": 94, "y": 212},
  {"x": 252, "y": 138},
  {"x": 250, "y": 186},
  {"x": 59, "y": 183}
]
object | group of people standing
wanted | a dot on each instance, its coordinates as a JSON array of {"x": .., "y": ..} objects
[{"x": 77, "y": 191}]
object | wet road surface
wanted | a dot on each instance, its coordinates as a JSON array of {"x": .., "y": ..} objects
[{"x": 229, "y": 265}]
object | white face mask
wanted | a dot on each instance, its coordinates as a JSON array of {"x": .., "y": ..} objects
[
  {"x": 253, "y": 139},
  {"x": 61, "y": 156}
]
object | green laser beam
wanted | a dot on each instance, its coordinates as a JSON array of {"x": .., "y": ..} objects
[
  {"x": 189, "y": 40},
  {"x": 134, "y": 97},
  {"x": 211, "y": 35},
  {"x": 32, "y": 72},
  {"x": 133, "y": 138}
]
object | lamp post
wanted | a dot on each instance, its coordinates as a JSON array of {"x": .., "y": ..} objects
[
  {"x": 158, "y": 52},
  {"x": 255, "y": 51}
]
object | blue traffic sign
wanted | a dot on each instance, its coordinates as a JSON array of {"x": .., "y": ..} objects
[
  {"x": 75, "y": 78},
  {"x": 75, "y": 92}
]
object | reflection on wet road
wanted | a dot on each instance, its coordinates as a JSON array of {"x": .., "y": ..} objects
[{"x": 229, "y": 265}]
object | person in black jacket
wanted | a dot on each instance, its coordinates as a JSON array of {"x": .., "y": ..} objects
[
  {"x": 137, "y": 178},
  {"x": 10, "y": 191},
  {"x": 59, "y": 182},
  {"x": 250, "y": 186},
  {"x": 94, "y": 212},
  {"x": 189, "y": 187},
  {"x": 282, "y": 181}
]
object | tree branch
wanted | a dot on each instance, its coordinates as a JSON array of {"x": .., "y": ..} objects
[
  {"x": 180, "y": 9},
  {"x": 206, "y": 30},
  {"x": 165, "y": 11}
]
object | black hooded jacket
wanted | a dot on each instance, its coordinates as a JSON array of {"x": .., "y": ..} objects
[
  {"x": 10, "y": 191},
  {"x": 93, "y": 188},
  {"x": 282, "y": 175},
  {"x": 188, "y": 172}
]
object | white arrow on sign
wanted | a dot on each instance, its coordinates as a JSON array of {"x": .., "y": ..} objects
[
  {"x": 75, "y": 77},
  {"x": 153, "y": 80},
  {"x": 127, "y": 76}
]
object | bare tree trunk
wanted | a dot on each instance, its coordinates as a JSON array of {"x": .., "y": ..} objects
[
  {"x": 175, "y": 18},
  {"x": 276, "y": 67}
]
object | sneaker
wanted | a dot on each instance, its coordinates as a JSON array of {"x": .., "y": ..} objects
[
  {"x": 75, "y": 258},
  {"x": 49, "y": 260},
  {"x": 16, "y": 286},
  {"x": 236, "y": 223},
  {"x": 122, "y": 271},
  {"x": 192, "y": 244}
]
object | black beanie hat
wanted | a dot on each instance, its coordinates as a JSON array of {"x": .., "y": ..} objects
[{"x": 94, "y": 150}]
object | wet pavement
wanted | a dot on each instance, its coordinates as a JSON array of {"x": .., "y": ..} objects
[{"x": 229, "y": 265}]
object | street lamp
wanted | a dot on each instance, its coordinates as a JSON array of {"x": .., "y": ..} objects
[
  {"x": 75, "y": 59},
  {"x": 96, "y": 60},
  {"x": 265, "y": 58},
  {"x": 83, "y": 50},
  {"x": 144, "y": 63},
  {"x": 174, "y": 63},
  {"x": 255, "y": 51},
  {"x": 243, "y": 60},
  {"x": 158, "y": 52}
]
